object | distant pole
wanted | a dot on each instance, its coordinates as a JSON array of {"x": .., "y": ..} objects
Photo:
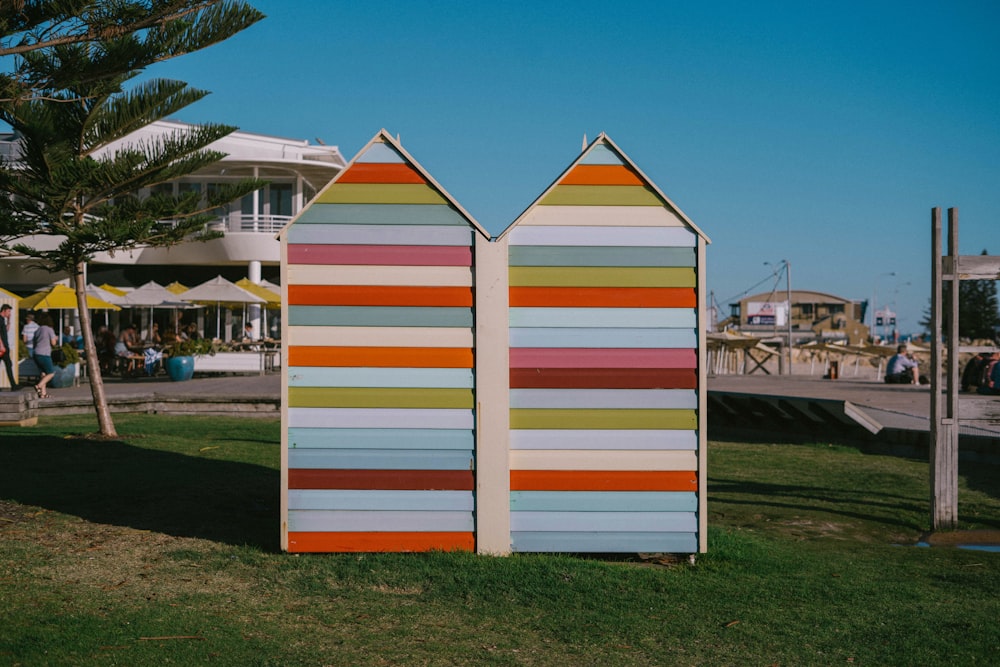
[{"x": 788, "y": 296}]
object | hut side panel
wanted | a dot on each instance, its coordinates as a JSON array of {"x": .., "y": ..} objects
[
  {"x": 380, "y": 409},
  {"x": 603, "y": 367}
]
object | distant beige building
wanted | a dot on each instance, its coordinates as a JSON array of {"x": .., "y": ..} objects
[{"x": 814, "y": 315}]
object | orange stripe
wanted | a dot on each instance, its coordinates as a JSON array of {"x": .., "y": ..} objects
[
  {"x": 374, "y": 295},
  {"x": 371, "y": 172},
  {"x": 604, "y": 297},
  {"x": 384, "y": 357},
  {"x": 600, "y": 480},
  {"x": 601, "y": 174},
  {"x": 370, "y": 542}
]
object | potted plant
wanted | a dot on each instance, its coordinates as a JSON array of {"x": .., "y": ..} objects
[
  {"x": 68, "y": 365},
  {"x": 179, "y": 357}
]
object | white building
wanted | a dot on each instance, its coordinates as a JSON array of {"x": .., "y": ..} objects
[{"x": 296, "y": 171}]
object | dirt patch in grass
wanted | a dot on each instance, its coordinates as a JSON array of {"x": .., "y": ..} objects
[{"x": 954, "y": 538}]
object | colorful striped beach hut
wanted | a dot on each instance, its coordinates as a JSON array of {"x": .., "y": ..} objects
[
  {"x": 379, "y": 414},
  {"x": 607, "y": 375}
]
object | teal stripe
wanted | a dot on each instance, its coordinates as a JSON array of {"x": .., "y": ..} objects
[
  {"x": 380, "y": 316},
  {"x": 380, "y": 438},
  {"x": 381, "y": 214},
  {"x": 600, "y": 256},
  {"x": 380, "y": 459},
  {"x": 584, "y": 542},
  {"x": 603, "y": 501}
]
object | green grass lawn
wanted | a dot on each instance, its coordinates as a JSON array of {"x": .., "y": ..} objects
[{"x": 161, "y": 549}]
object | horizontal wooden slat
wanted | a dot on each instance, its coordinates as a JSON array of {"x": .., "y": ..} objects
[
  {"x": 556, "y": 418},
  {"x": 601, "y": 501},
  {"x": 379, "y": 542},
  {"x": 596, "y": 459},
  {"x": 601, "y": 174},
  {"x": 601, "y": 195},
  {"x": 334, "y": 499},
  {"x": 638, "y": 480},
  {"x": 603, "y": 337},
  {"x": 378, "y": 397},
  {"x": 379, "y": 316},
  {"x": 381, "y": 172},
  {"x": 603, "y": 378},
  {"x": 603, "y": 439},
  {"x": 380, "y": 193},
  {"x": 601, "y": 216},
  {"x": 380, "y": 438},
  {"x": 368, "y": 234},
  {"x": 381, "y": 520},
  {"x": 304, "y": 274},
  {"x": 603, "y": 297},
  {"x": 378, "y": 255},
  {"x": 379, "y": 377},
  {"x": 379, "y": 295},
  {"x": 671, "y": 237},
  {"x": 380, "y": 336},
  {"x": 603, "y": 522},
  {"x": 400, "y": 480},
  {"x": 979, "y": 267},
  {"x": 582, "y": 318},
  {"x": 381, "y": 459},
  {"x": 420, "y": 215},
  {"x": 380, "y": 357},
  {"x": 380, "y": 418},
  {"x": 603, "y": 398},
  {"x": 601, "y": 276},
  {"x": 526, "y": 255},
  {"x": 531, "y": 357},
  {"x": 585, "y": 542}
]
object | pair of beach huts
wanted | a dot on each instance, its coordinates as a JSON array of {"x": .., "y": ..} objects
[{"x": 542, "y": 391}]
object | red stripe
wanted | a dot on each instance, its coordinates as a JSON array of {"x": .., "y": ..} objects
[
  {"x": 603, "y": 480},
  {"x": 378, "y": 295},
  {"x": 603, "y": 297},
  {"x": 381, "y": 172},
  {"x": 603, "y": 378},
  {"x": 402, "y": 480},
  {"x": 374, "y": 542},
  {"x": 528, "y": 357},
  {"x": 380, "y": 255}
]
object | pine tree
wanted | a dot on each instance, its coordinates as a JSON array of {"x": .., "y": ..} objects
[
  {"x": 67, "y": 185},
  {"x": 978, "y": 310}
]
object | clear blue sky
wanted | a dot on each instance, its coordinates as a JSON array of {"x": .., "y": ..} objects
[{"x": 820, "y": 133}]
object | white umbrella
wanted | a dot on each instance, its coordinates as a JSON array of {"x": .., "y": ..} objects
[
  {"x": 152, "y": 295},
  {"x": 219, "y": 291}
]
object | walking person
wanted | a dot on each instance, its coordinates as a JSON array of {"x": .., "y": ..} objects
[
  {"x": 5, "y": 345},
  {"x": 28, "y": 332},
  {"x": 45, "y": 340}
]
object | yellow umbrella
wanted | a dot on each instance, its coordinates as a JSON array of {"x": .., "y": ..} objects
[
  {"x": 117, "y": 291},
  {"x": 273, "y": 298},
  {"x": 177, "y": 288},
  {"x": 61, "y": 297}
]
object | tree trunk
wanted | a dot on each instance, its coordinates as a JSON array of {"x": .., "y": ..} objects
[{"x": 104, "y": 422}]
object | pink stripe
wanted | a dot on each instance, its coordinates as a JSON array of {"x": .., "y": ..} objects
[
  {"x": 528, "y": 357},
  {"x": 380, "y": 255}
]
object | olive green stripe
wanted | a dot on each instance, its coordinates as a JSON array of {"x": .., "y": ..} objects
[
  {"x": 602, "y": 419},
  {"x": 601, "y": 276},
  {"x": 381, "y": 193},
  {"x": 601, "y": 195},
  {"x": 379, "y": 397}
]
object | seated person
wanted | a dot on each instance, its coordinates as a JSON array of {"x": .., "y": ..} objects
[
  {"x": 127, "y": 340},
  {"x": 990, "y": 385},
  {"x": 902, "y": 368}
]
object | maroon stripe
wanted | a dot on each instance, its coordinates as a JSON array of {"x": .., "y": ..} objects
[
  {"x": 405, "y": 480},
  {"x": 603, "y": 378}
]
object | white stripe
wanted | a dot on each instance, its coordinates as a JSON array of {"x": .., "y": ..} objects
[
  {"x": 600, "y": 216},
  {"x": 590, "y": 459},
  {"x": 380, "y": 418},
  {"x": 604, "y": 398},
  {"x": 432, "y": 378},
  {"x": 602, "y": 439},
  {"x": 419, "y": 276},
  {"x": 604, "y": 236},
  {"x": 380, "y": 336}
]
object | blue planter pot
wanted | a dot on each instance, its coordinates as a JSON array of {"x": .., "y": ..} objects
[
  {"x": 180, "y": 368},
  {"x": 64, "y": 377}
]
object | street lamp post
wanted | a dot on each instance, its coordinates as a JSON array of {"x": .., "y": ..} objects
[
  {"x": 875, "y": 300},
  {"x": 788, "y": 301}
]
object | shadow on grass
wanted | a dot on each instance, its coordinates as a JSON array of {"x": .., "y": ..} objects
[{"x": 116, "y": 483}]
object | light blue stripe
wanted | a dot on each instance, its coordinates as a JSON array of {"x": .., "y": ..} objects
[
  {"x": 524, "y": 255},
  {"x": 601, "y": 154},
  {"x": 584, "y": 542},
  {"x": 333, "y": 521},
  {"x": 382, "y": 214},
  {"x": 337, "y": 499},
  {"x": 604, "y": 398},
  {"x": 380, "y": 316},
  {"x": 380, "y": 459},
  {"x": 379, "y": 235},
  {"x": 431, "y": 378},
  {"x": 603, "y": 337},
  {"x": 380, "y": 152},
  {"x": 604, "y": 522},
  {"x": 380, "y": 438},
  {"x": 603, "y": 501},
  {"x": 674, "y": 318}
]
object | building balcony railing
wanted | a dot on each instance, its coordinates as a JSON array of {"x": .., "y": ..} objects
[{"x": 241, "y": 222}]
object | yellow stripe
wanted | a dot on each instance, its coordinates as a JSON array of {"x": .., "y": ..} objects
[
  {"x": 601, "y": 276},
  {"x": 381, "y": 397},
  {"x": 602, "y": 419}
]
